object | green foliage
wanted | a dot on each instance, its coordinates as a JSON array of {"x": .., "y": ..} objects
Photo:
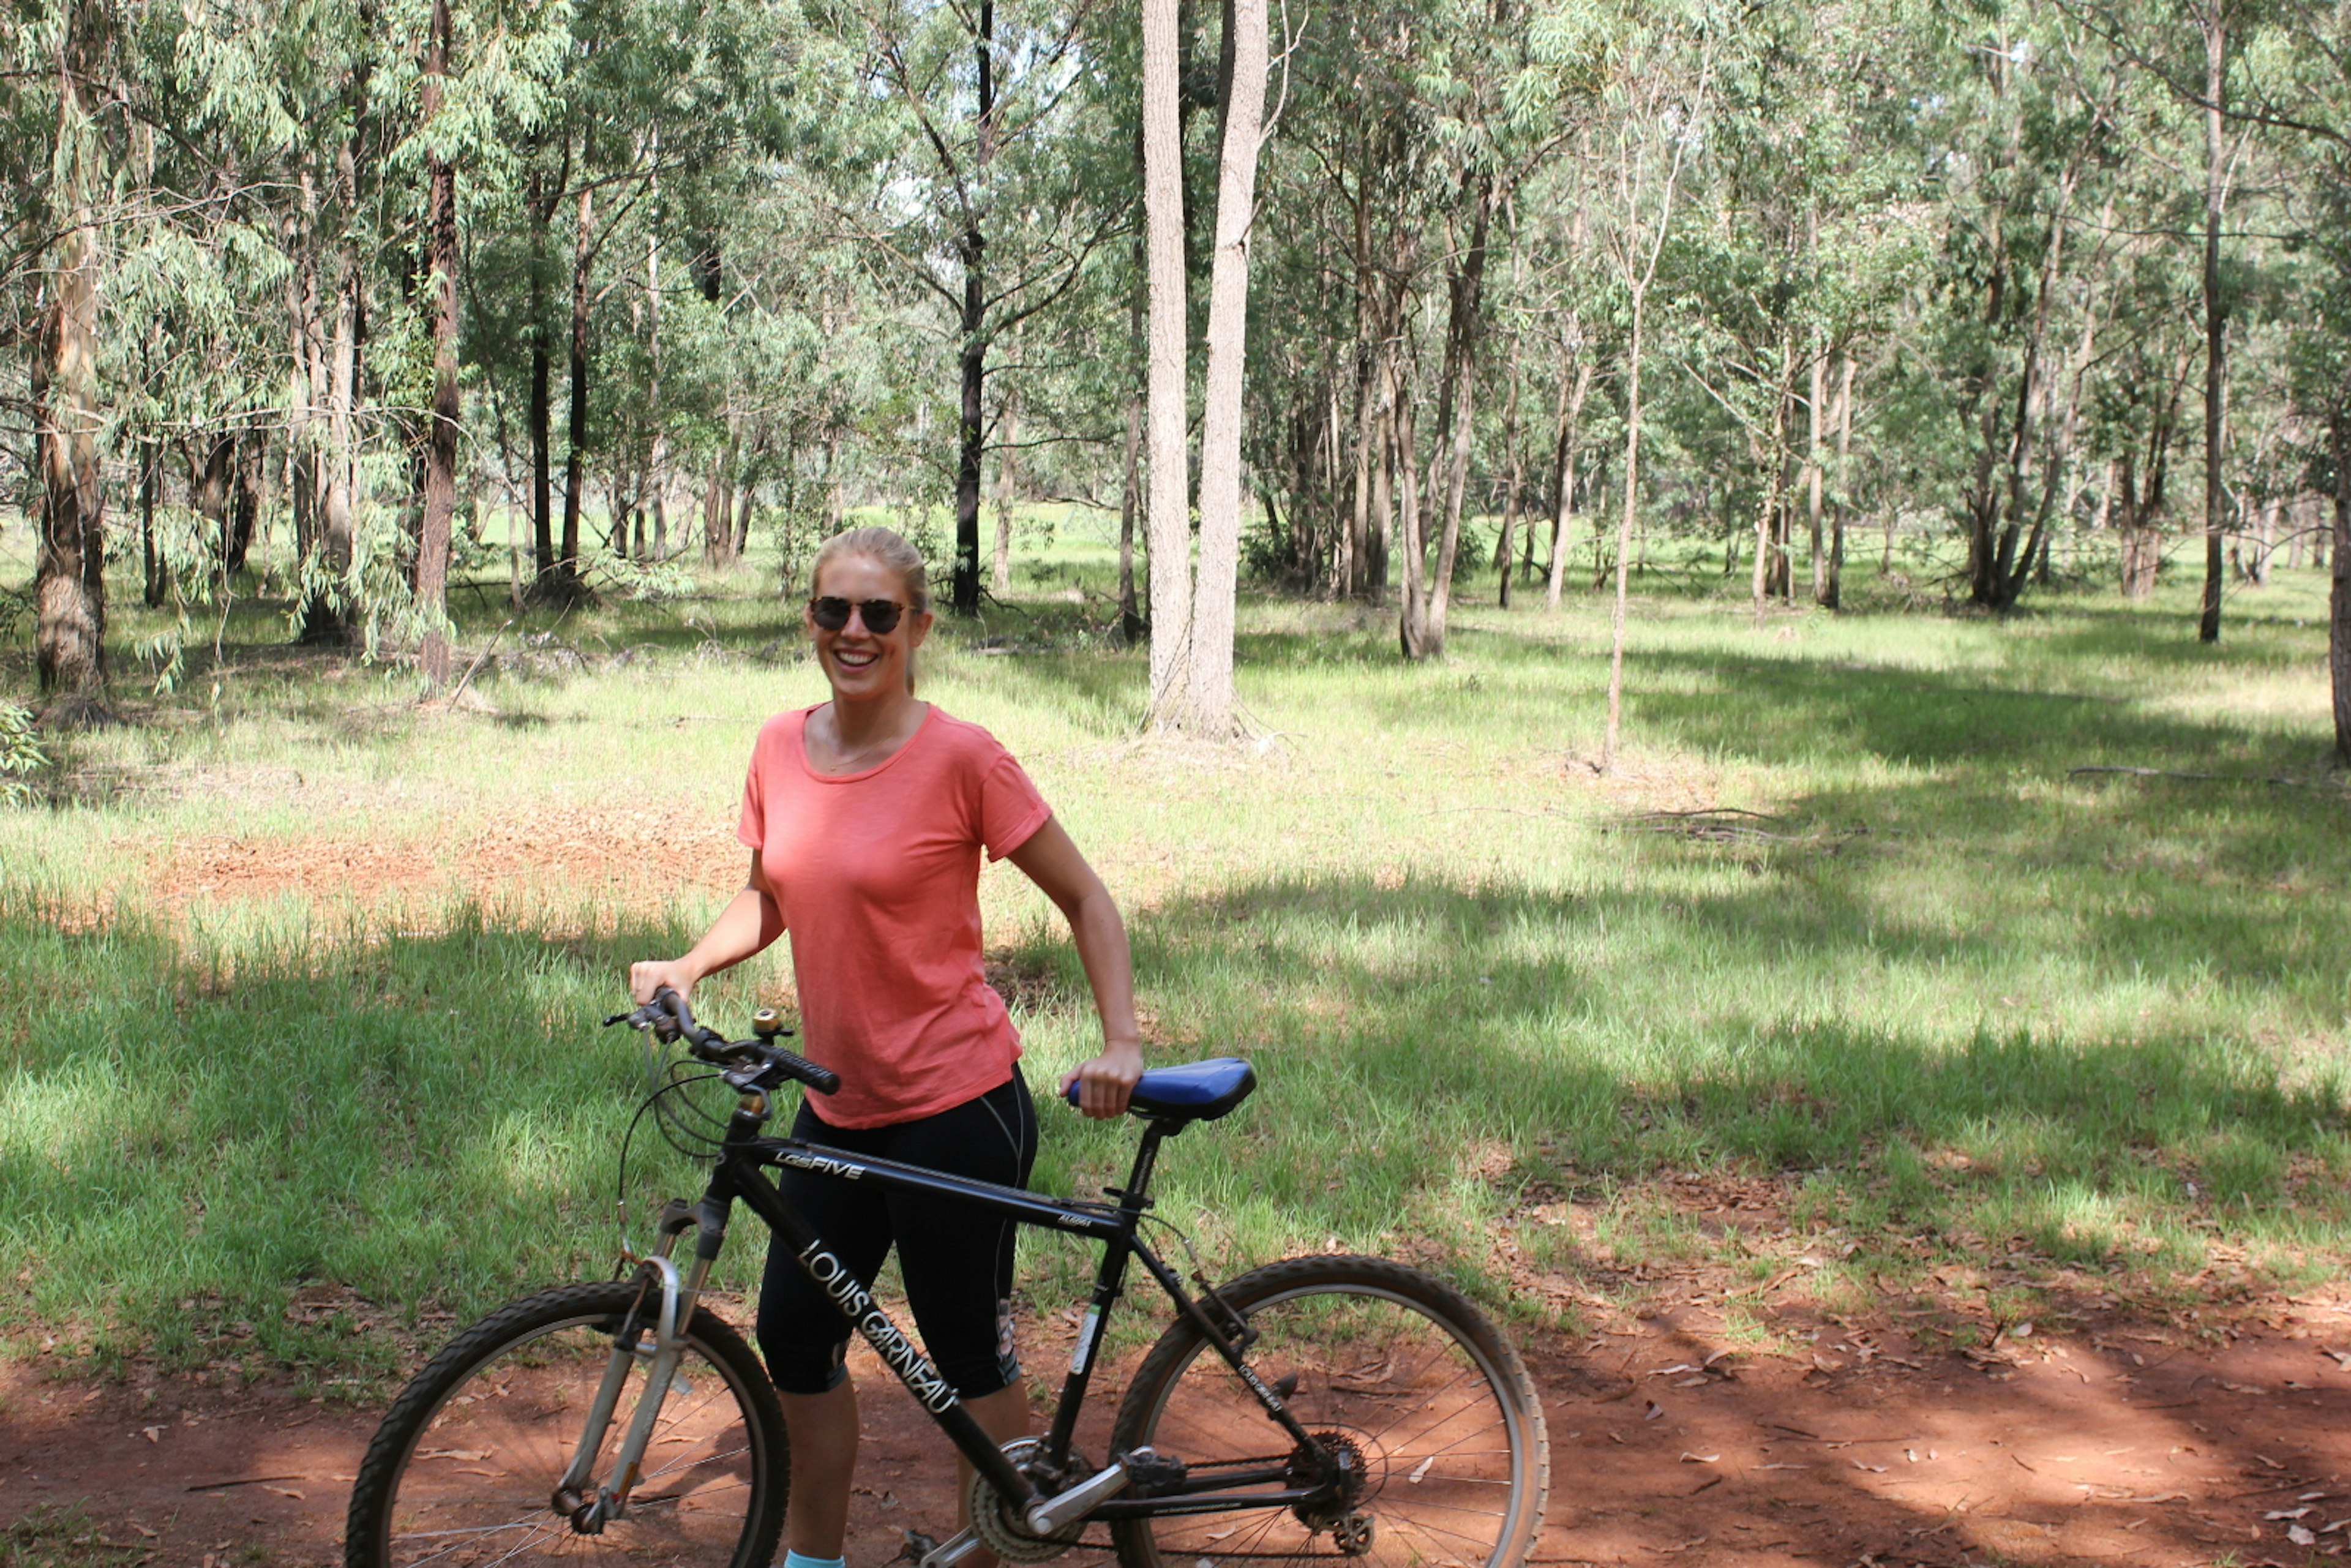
[{"x": 21, "y": 756}]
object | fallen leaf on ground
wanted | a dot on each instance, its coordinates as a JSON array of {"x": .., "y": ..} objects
[{"x": 1689, "y": 1459}]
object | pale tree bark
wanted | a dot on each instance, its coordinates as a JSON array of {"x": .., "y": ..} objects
[
  {"x": 441, "y": 446},
  {"x": 1207, "y": 708},
  {"x": 69, "y": 575},
  {"x": 1167, "y": 519}
]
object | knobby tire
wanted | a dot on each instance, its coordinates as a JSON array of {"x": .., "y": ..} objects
[
  {"x": 1445, "y": 1426},
  {"x": 462, "y": 1470}
]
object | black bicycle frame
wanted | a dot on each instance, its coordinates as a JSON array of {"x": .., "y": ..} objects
[{"x": 740, "y": 1174}]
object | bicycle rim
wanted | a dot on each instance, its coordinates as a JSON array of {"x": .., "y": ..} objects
[
  {"x": 1437, "y": 1417},
  {"x": 465, "y": 1472}
]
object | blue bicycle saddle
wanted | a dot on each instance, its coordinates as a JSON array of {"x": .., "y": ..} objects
[{"x": 1192, "y": 1092}]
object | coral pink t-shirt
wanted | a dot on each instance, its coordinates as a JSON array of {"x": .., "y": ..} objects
[{"x": 878, "y": 876}]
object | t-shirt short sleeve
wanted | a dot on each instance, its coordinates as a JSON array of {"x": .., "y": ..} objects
[
  {"x": 1010, "y": 809},
  {"x": 751, "y": 827}
]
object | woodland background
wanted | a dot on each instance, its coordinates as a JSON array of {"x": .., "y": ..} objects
[{"x": 572, "y": 293}]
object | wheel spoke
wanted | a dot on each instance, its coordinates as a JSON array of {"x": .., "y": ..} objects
[{"x": 509, "y": 1396}]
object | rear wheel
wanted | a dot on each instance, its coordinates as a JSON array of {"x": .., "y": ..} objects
[
  {"x": 1412, "y": 1398},
  {"x": 462, "y": 1473}
]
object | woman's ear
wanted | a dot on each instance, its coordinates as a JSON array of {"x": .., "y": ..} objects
[{"x": 918, "y": 626}]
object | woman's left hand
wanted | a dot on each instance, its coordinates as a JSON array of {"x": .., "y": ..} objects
[{"x": 1105, "y": 1082}]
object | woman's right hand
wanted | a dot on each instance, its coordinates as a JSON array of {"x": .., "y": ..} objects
[{"x": 652, "y": 974}]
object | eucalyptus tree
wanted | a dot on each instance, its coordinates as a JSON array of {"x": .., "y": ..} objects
[
  {"x": 63, "y": 47},
  {"x": 1657, "y": 94},
  {"x": 976, "y": 116}
]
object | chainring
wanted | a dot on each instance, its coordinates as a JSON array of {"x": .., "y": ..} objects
[{"x": 1001, "y": 1529}]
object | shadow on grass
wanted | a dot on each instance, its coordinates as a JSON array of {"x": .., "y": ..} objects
[{"x": 1401, "y": 1030}]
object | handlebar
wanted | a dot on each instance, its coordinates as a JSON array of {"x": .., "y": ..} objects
[{"x": 757, "y": 1063}]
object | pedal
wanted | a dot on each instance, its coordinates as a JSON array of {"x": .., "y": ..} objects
[
  {"x": 927, "y": 1553},
  {"x": 1149, "y": 1471}
]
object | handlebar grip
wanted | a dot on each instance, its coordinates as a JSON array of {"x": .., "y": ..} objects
[
  {"x": 823, "y": 1080},
  {"x": 679, "y": 1020}
]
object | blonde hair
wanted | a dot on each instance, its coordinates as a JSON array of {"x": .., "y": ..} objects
[{"x": 888, "y": 549}]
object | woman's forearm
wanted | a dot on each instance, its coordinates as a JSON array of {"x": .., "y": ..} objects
[
  {"x": 747, "y": 925},
  {"x": 1109, "y": 963}
]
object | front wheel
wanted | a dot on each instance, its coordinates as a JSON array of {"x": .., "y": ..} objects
[
  {"x": 1407, "y": 1392},
  {"x": 462, "y": 1473}
]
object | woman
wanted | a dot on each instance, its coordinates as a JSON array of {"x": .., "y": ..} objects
[{"x": 866, "y": 816}]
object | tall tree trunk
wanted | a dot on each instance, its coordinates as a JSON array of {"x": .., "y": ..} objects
[
  {"x": 1564, "y": 513},
  {"x": 1168, "y": 520},
  {"x": 1815, "y": 423},
  {"x": 973, "y": 427},
  {"x": 151, "y": 477},
  {"x": 210, "y": 462},
  {"x": 441, "y": 447},
  {"x": 1379, "y": 534},
  {"x": 575, "y": 458},
  {"x": 69, "y": 575},
  {"x": 2214, "y": 22},
  {"x": 244, "y": 501},
  {"x": 1770, "y": 565},
  {"x": 2338, "y": 624},
  {"x": 1513, "y": 477},
  {"x": 1208, "y": 705},
  {"x": 1352, "y": 575},
  {"x": 1412, "y": 543},
  {"x": 325, "y": 599},
  {"x": 1131, "y": 626},
  {"x": 718, "y": 498},
  {"x": 304, "y": 382},
  {"x": 1832, "y": 594},
  {"x": 540, "y": 415},
  {"x": 1624, "y": 532},
  {"x": 1455, "y": 422},
  {"x": 657, "y": 457},
  {"x": 1007, "y": 485}
]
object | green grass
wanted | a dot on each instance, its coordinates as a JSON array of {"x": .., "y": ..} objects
[{"x": 1960, "y": 1009}]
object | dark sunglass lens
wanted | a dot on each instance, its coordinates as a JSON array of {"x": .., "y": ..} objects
[
  {"x": 880, "y": 616},
  {"x": 831, "y": 614}
]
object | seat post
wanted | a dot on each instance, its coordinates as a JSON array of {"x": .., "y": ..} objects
[{"x": 1135, "y": 1197}]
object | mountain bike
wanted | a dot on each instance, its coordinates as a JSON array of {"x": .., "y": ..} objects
[{"x": 1343, "y": 1409}]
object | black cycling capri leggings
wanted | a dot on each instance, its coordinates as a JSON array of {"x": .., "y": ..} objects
[{"x": 956, "y": 1259}]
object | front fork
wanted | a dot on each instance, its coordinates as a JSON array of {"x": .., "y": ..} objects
[{"x": 591, "y": 1511}]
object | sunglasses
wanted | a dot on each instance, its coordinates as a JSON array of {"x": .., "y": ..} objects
[{"x": 880, "y": 615}]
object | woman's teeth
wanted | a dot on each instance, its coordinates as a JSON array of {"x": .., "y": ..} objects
[{"x": 854, "y": 661}]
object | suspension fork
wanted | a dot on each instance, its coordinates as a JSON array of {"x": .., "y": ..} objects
[{"x": 677, "y": 1293}]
